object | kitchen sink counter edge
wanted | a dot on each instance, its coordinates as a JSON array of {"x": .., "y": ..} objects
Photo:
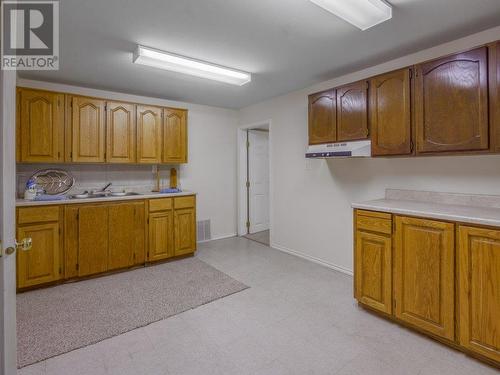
[{"x": 140, "y": 196}]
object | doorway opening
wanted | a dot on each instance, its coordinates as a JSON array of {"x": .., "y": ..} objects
[{"x": 255, "y": 182}]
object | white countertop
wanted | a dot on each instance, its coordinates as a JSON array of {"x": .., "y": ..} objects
[
  {"x": 450, "y": 212},
  {"x": 150, "y": 195}
]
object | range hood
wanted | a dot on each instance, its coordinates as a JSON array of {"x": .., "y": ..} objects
[{"x": 354, "y": 149}]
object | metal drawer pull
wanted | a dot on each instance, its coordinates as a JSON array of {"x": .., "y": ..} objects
[{"x": 25, "y": 244}]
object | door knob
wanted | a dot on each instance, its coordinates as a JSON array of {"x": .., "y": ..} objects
[{"x": 25, "y": 244}]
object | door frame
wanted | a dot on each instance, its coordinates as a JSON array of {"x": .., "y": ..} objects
[
  {"x": 8, "y": 338},
  {"x": 242, "y": 170}
]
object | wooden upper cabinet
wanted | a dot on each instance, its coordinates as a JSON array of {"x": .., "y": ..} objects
[
  {"x": 88, "y": 130},
  {"x": 121, "y": 132},
  {"x": 451, "y": 103},
  {"x": 424, "y": 275},
  {"x": 479, "y": 290},
  {"x": 41, "y": 126},
  {"x": 352, "y": 112},
  {"x": 322, "y": 118},
  {"x": 495, "y": 94},
  {"x": 149, "y": 134},
  {"x": 390, "y": 113},
  {"x": 373, "y": 261},
  {"x": 174, "y": 135}
]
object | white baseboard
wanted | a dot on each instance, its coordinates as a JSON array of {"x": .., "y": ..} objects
[
  {"x": 312, "y": 259},
  {"x": 221, "y": 237}
]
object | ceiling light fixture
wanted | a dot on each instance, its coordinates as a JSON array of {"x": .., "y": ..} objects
[
  {"x": 180, "y": 64},
  {"x": 361, "y": 13}
]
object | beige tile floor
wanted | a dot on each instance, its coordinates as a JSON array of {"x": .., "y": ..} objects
[{"x": 297, "y": 318}]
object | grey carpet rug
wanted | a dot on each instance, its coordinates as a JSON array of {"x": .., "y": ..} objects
[{"x": 66, "y": 317}]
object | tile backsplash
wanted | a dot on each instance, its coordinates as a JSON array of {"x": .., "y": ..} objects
[{"x": 139, "y": 178}]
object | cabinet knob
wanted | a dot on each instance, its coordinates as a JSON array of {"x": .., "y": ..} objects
[{"x": 25, "y": 244}]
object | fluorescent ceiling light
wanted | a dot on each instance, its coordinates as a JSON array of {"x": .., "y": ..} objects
[
  {"x": 361, "y": 13},
  {"x": 186, "y": 65}
]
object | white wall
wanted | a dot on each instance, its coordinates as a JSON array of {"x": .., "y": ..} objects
[
  {"x": 211, "y": 170},
  {"x": 311, "y": 199}
]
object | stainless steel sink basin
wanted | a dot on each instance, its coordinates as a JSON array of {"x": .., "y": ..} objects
[
  {"x": 120, "y": 194},
  {"x": 102, "y": 195}
]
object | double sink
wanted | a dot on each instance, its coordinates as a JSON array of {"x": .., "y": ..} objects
[{"x": 104, "y": 194}]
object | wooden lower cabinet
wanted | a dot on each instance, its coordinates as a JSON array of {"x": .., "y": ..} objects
[
  {"x": 41, "y": 264},
  {"x": 424, "y": 275},
  {"x": 161, "y": 235},
  {"x": 373, "y": 261},
  {"x": 172, "y": 227},
  {"x": 92, "y": 244},
  {"x": 126, "y": 235},
  {"x": 445, "y": 278},
  {"x": 479, "y": 290},
  {"x": 79, "y": 240},
  {"x": 184, "y": 231}
]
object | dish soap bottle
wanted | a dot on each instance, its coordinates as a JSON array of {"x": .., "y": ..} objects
[{"x": 30, "y": 191}]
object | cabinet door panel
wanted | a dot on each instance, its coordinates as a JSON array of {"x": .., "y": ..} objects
[
  {"x": 352, "y": 112},
  {"x": 88, "y": 130},
  {"x": 424, "y": 275},
  {"x": 161, "y": 239},
  {"x": 185, "y": 231},
  {"x": 322, "y": 118},
  {"x": 149, "y": 134},
  {"x": 41, "y": 264},
  {"x": 451, "y": 103},
  {"x": 390, "y": 113},
  {"x": 41, "y": 126},
  {"x": 374, "y": 270},
  {"x": 161, "y": 235},
  {"x": 174, "y": 136},
  {"x": 479, "y": 290},
  {"x": 121, "y": 235},
  {"x": 121, "y": 131},
  {"x": 93, "y": 234}
]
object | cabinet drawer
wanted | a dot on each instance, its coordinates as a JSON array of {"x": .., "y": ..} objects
[
  {"x": 184, "y": 202},
  {"x": 160, "y": 204},
  {"x": 37, "y": 214},
  {"x": 375, "y": 222}
]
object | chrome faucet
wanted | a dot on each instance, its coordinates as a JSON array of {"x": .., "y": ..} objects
[{"x": 107, "y": 186}]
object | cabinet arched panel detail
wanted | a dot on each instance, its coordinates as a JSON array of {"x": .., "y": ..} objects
[
  {"x": 121, "y": 131},
  {"x": 88, "y": 130},
  {"x": 149, "y": 134},
  {"x": 390, "y": 113},
  {"x": 322, "y": 118},
  {"x": 41, "y": 126},
  {"x": 452, "y": 103},
  {"x": 352, "y": 112},
  {"x": 174, "y": 136}
]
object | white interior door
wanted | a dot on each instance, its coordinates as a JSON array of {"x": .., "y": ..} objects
[
  {"x": 7, "y": 223},
  {"x": 258, "y": 174}
]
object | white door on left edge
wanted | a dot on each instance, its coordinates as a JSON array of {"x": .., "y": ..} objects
[
  {"x": 258, "y": 173},
  {"x": 7, "y": 219}
]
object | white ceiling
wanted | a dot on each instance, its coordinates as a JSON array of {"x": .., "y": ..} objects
[{"x": 286, "y": 44}]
